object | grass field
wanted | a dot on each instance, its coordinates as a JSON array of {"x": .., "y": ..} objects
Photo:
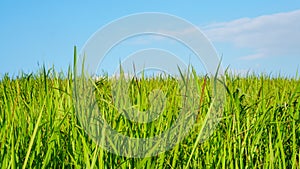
[{"x": 259, "y": 128}]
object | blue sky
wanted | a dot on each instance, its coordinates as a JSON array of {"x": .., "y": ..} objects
[{"x": 262, "y": 36}]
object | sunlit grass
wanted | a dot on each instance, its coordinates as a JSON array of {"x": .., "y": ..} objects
[{"x": 259, "y": 127}]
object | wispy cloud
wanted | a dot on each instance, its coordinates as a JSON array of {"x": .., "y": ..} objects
[
  {"x": 252, "y": 57},
  {"x": 268, "y": 35}
]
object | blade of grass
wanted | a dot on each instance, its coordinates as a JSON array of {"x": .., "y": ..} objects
[{"x": 34, "y": 134}]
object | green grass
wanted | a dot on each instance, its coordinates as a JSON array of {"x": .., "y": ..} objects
[{"x": 259, "y": 126}]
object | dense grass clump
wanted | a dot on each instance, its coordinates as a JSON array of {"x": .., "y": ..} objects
[{"x": 259, "y": 127}]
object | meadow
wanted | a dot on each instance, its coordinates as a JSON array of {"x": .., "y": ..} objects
[{"x": 259, "y": 127}]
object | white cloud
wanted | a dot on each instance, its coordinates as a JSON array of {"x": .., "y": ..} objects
[
  {"x": 252, "y": 57},
  {"x": 268, "y": 35}
]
